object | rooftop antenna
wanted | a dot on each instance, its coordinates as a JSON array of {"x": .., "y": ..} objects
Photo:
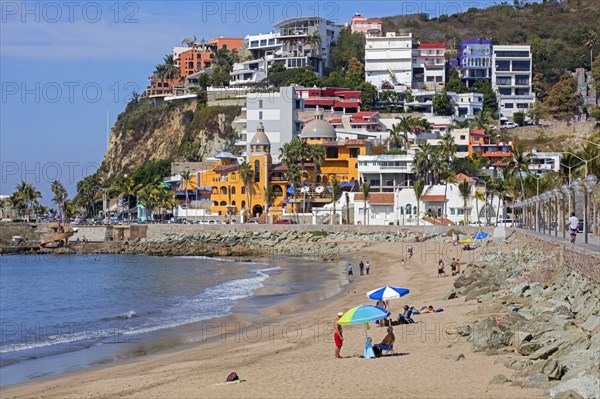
[{"x": 107, "y": 129}]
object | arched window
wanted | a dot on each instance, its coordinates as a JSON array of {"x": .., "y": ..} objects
[
  {"x": 232, "y": 175},
  {"x": 277, "y": 191},
  {"x": 215, "y": 190},
  {"x": 408, "y": 209},
  {"x": 223, "y": 190},
  {"x": 233, "y": 203},
  {"x": 305, "y": 175},
  {"x": 223, "y": 203},
  {"x": 256, "y": 171},
  {"x": 243, "y": 190},
  {"x": 243, "y": 204},
  {"x": 232, "y": 190},
  {"x": 216, "y": 203}
]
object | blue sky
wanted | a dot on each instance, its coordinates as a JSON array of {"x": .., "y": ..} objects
[{"x": 64, "y": 65}]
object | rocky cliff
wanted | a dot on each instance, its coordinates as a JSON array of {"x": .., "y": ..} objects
[{"x": 176, "y": 131}]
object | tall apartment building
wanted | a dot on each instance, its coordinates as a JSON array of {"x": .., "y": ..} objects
[
  {"x": 278, "y": 113},
  {"x": 365, "y": 25},
  {"x": 475, "y": 60},
  {"x": 389, "y": 60},
  {"x": 300, "y": 42},
  {"x": 429, "y": 66},
  {"x": 512, "y": 77}
]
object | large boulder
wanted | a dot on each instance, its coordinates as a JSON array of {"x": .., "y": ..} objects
[{"x": 587, "y": 386}]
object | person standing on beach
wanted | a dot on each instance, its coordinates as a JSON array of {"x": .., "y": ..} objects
[
  {"x": 361, "y": 266},
  {"x": 573, "y": 226},
  {"x": 350, "y": 273},
  {"x": 338, "y": 336},
  {"x": 410, "y": 252},
  {"x": 368, "y": 267}
]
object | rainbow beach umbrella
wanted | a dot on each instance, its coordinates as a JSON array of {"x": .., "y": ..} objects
[{"x": 363, "y": 314}]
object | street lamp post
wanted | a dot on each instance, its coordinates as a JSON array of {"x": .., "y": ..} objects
[
  {"x": 589, "y": 183},
  {"x": 566, "y": 191},
  {"x": 555, "y": 194}
]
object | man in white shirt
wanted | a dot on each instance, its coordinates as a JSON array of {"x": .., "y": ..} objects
[{"x": 573, "y": 225}]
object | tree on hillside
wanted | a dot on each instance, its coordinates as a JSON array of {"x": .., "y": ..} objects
[
  {"x": 442, "y": 104},
  {"x": 368, "y": 95},
  {"x": 562, "y": 101},
  {"x": 455, "y": 82},
  {"x": 591, "y": 40},
  {"x": 537, "y": 112},
  {"x": 539, "y": 87},
  {"x": 348, "y": 45},
  {"x": 596, "y": 71},
  {"x": 490, "y": 101}
]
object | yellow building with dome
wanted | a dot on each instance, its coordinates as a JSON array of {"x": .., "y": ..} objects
[{"x": 228, "y": 191}]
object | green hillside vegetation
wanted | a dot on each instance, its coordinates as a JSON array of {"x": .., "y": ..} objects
[{"x": 560, "y": 33}]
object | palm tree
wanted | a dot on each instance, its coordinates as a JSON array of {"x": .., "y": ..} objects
[
  {"x": 478, "y": 196},
  {"x": 422, "y": 162},
  {"x": 185, "y": 179},
  {"x": 365, "y": 187},
  {"x": 317, "y": 156},
  {"x": 519, "y": 163},
  {"x": 464, "y": 189},
  {"x": 171, "y": 68},
  {"x": 483, "y": 121},
  {"x": 247, "y": 174},
  {"x": 405, "y": 124},
  {"x": 395, "y": 136},
  {"x": 29, "y": 194},
  {"x": 336, "y": 193},
  {"x": 418, "y": 186},
  {"x": 590, "y": 40},
  {"x": 69, "y": 209},
  {"x": 347, "y": 197},
  {"x": 60, "y": 196},
  {"x": 16, "y": 203},
  {"x": 160, "y": 72},
  {"x": 127, "y": 187},
  {"x": 86, "y": 193}
]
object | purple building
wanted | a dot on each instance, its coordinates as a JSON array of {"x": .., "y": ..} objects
[{"x": 475, "y": 59}]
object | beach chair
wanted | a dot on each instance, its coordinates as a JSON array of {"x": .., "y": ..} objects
[{"x": 389, "y": 350}]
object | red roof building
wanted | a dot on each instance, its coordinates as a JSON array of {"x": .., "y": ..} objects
[{"x": 330, "y": 98}]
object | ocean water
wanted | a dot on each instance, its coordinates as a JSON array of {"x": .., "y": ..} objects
[{"x": 57, "y": 311}]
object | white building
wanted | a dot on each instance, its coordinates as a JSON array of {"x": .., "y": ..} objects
[
  {"x": 543, "y": 162},
  {"x": 461, "y": 139},
  {"x": 429, "y": 66},
  {"x": 400, "y": 207},
  {"x": 249, "y": 72},
  {"x": 512, "y": 77},
  {"x": 278, "y": 112},
  {"x": 386, "y": 173},
  {"x": 388, "y": 60},
  {"x": 466, "y": 105}
]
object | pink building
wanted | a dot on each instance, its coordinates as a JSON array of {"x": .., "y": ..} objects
[{"x": 365, "y": 25}]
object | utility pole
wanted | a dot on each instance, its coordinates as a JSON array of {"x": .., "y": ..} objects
[{"x": 107, "y": 129}]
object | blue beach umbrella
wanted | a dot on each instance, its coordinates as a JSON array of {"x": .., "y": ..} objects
[
  {"x": 480, "y": 235},
  {"x": 386, "y": 293}
]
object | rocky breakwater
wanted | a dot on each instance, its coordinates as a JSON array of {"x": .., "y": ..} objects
[
  {"x": 320, "y": 244},
  {"x": 539, "y": 315}
]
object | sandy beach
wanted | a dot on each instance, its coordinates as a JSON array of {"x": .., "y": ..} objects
[{"x": 294, "y": 356}]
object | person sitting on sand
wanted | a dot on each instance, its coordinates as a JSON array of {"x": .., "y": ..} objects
[
  {"x": 387, "y": 342},
  {"x": 405, "y": 318},
  {"x": 467, "y": 247}
]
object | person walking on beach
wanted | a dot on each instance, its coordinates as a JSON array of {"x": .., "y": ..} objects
[
  {"x": 410, "y": 252},
  {"x": 368, "y": 267},
  {"x": 361, "y": 265},
  {"x": 350, "y": 274},
  {"x": 573, "y": 226},
  {"x": 338, "y": 336}
]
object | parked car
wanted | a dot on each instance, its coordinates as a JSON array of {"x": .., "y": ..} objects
[
  {"x": 284, "y": 221},
  {"x": 510, "y": 125}
]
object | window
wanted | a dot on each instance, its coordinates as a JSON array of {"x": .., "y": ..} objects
[
  {"x": 354, "y": 152},
  {"x": 331, "y": 152},
  {"x": 522, "y": 80},
  {"x": 243, "y": 191},
  {"x": 243, "y": 204},
  {"x": 254, "y": 43},
  {"x": 260, "y": 104},
  {"x": 462, "y": 137},
  {"x": 256, "y": 171},
  {"x": 521, "y": 66},
  {"x": 389, "y": 182},
  {"x": 509, "y": 105},
  {"x": 512, "y": 53},
  {"x": 522, "y": 92},
  {"x": 408, "y": 209},
  {"x": 233, "y": 203},
  {"x": 430, "y": 78},
  {"x": 502, "y": 65},
  {"x": 216, "y": 203},
  {"x": 504, "y": 91},
  {"x": 503, "y": 81},
  {"x": 232, "y": 189},
  {"x": 260, "y": 115},
  {"x": 522, "y": 105},
  {"x": 375, "y": 182},
  {"x": 438, "y": 78}
]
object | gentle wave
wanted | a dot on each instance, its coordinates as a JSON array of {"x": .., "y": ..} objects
[{"x": 211, "y": 303}]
